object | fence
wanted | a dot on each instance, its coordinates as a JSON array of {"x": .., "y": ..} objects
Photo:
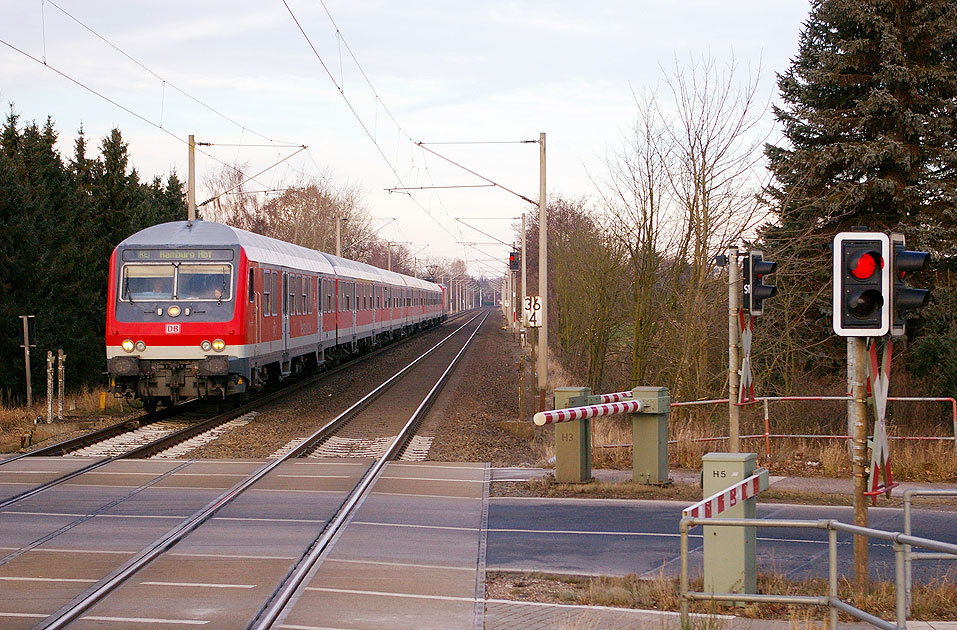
[
  {"x": 767, "y": 436},
  {"x": 899, "y": 541},
  {"x": 910, "y": 556}
]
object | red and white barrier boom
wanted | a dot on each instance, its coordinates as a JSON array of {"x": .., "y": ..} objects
[
  {"x": 729, "y": 497},
  {"x": 590, "y": 411},
  {"x": 615, "y": 397}
]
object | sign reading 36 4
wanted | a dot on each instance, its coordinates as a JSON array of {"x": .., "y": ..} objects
[{"x": 532, "y": 311}]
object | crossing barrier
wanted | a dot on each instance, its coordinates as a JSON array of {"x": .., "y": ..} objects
[
  {"x": 717, "y": 503},
  {"x": 648, "y": 407}
]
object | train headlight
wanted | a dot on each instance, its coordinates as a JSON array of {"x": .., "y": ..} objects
[
  {"x": 159, "y": 311},
  {"x": 128, "y": 345},
  {"x": 219, "y": 345},
  {"x": 173, "y": 311},
  {"x": 206, "y": 346},
  {"x": 141, "y": 346}
]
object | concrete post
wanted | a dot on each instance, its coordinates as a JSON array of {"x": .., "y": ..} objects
[
  {"x": 649, "y": 436},
  {"x": 572, "y": 439},
  {"x": 729, "y": 552}
]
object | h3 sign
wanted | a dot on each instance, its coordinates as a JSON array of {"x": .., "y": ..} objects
[{"x": 532, "y": 311}]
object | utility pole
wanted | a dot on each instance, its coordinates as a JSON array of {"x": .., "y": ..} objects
[
  {"x": 542, "y": 273},
  {"x": 734, "y": 304},
  {"x": 191, "y": 184}
]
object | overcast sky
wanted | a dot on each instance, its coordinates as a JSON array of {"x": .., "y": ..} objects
[{"x": 444, "y": 71}]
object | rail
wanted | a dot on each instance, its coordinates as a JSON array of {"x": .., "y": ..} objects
[
  {"x": 899, "y": 542},
  {"x": 72, "y": 611},
  {"x": 909, "y": 555}
]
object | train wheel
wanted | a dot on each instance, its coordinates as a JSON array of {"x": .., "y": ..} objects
[{"x": 150, "y": 406}]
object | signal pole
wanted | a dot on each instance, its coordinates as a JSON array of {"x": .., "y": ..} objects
[
  {"x": 859, "y": 457},
  {"x": 734, "y": 303},
  {"x": 542, "y": 273}
]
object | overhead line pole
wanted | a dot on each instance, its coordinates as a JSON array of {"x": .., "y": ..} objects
[{"x": 542, "y": 275}]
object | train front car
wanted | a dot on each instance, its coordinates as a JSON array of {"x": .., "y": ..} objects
[{"x": 174, "y": 323}]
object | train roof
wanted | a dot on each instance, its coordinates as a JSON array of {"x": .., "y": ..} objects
[{"x": 263, "y": 249}]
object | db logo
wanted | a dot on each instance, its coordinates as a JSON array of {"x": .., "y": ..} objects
[{"x": 172, "y": 329}]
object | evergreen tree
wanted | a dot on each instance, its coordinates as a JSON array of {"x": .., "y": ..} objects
[
  {"x": 869, "y": 115},
  {"x": 58, "y": 226}
]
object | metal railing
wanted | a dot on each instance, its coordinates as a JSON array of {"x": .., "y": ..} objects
[
  {"x": 910, "y": 556},
  {"x": 898, "y": 541}
]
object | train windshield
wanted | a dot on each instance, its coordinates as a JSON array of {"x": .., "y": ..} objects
[
  {"x": 203, "y": 282},
  {"x": 147, "y": 282}
]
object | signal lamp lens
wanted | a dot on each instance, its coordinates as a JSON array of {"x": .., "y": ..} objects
[
  {"x": 159, "y": 311},
  {"x": 141, "y": 346},
  {"x": 219, "y": 345},
  {"x": 173, "y": 311},
  {"x": 865, "y": 303},
  {"x": 206, "y": 346},
  {"x": 128, "y": 345},
  {"x": 865, "y": 265}
]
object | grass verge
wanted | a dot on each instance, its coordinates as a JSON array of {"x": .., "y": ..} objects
[{"x": 934, "y": 601}]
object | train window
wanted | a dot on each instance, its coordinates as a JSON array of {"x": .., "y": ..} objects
[
  {"x": 309, "y": 295},
  {"x": 275, "y": 292},
  {"x": 251, "y": 285},
  {"x": 303, "y": 284},
  {"x": 147, "y": 282},
  {"x": 203, "y": 282},
  {"x": 267, "y": 292}
]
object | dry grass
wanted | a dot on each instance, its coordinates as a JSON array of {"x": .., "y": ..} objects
[
  {"x": 17, "y": 421},
  {"x": 933, "y": 601},
  {"x": 910, "y": 460}
]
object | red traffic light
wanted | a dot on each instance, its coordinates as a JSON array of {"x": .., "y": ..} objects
[{"x": 863, "y": 265}]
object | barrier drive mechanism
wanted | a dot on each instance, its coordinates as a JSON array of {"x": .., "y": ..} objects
[{"x": 576, "y": 406}]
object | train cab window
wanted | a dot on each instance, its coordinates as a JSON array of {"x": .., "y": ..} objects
[
  {"x": 251, "y": 285},
  {"x": 147, "y": 282},
  {"x": 203, "y": 282}
]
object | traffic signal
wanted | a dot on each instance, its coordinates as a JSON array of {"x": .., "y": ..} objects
[
  {"x": 861, "y": 295},
  {"x": 904, "y": 298},
  {"x": 514, "y": 260},
  {"x": 755, "y": 291}
]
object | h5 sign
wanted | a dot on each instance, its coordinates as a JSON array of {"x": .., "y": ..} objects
[{"x": 532, "y": 311}]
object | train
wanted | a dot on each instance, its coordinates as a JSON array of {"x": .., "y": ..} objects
[{"x": 199, "y": 309}]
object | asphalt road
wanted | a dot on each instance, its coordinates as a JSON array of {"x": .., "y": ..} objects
[{"x": 618, "y": 537}]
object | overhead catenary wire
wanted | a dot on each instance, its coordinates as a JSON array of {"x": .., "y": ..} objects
[
  {"x": 372, "y": 136},
  {"x": 162, "y": 79},
  {"x": 126, "y": 109}
]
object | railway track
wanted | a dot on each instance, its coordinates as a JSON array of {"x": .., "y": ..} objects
[
  {"x": 161, "y": 435},
  {"x": 374, "y": 412}
]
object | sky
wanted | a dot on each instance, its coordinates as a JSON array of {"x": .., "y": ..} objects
[{"x": 361, "y": 82}]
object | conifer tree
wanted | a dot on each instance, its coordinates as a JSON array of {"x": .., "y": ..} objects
[{"x": 869, "y": 116}]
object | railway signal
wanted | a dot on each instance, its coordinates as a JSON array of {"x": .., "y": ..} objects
[
  {"x": 861, "y": 297},
  {"x": 903, "y": 297},
  {"x": 514, "y": 260},
  {"x": 755, "y": 291}
]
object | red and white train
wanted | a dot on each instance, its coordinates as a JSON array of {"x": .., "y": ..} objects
[{"x": 201, "y": 309}]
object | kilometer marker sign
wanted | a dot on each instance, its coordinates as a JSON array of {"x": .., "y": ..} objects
[{"x": 532, "y": 311}]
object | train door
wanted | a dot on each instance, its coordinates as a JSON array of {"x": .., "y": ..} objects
[{"x": 285, "y": 319}]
